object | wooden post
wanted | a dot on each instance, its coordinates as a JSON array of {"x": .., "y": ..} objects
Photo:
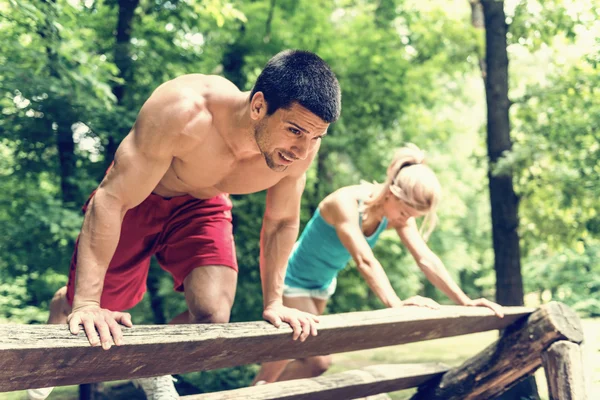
[
  {"x": 564, "y": 371},
  {"x": 517, "y": 354}
]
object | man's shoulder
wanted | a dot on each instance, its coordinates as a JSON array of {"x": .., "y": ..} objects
[
  {"x": 193, "y": 90},
  {"x": 185, "y": 99},
  {"x": 199, "y": 88}
]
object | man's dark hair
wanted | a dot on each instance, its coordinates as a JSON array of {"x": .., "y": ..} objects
[{"x": 301, "y": 77}]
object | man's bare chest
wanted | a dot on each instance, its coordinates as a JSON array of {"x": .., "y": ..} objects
[{"x": 208, "y": 175}]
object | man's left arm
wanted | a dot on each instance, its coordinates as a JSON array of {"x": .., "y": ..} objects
[{"x": 280, "y": 228}]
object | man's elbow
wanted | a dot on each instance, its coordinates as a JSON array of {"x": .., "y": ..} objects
[
  {"x": 106, "y": 201},
  {"x": 279, "y": 225}
]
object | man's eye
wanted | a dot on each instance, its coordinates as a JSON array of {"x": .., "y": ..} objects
[{"x": 295, "y": 131}]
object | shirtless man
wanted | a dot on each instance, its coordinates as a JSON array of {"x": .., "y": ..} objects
[{"x": 197, "y": 139}]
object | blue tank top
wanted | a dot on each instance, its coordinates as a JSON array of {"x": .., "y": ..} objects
[{"x": 319, "y": 255}]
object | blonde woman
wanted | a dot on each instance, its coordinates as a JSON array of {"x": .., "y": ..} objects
[{"x": 347, "y": 224}]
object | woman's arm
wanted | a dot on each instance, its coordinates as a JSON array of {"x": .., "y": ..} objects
[
  {"x": 341, "y": 211},
  {"x": 434, "y": 268}
]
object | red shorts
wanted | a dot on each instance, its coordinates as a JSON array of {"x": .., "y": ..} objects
[{"x": 183, "y": 232}]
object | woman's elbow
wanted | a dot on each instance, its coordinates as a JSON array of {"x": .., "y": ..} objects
[
  {"x": 364, "y": 266},
  {"x": 429, "y": 264}
]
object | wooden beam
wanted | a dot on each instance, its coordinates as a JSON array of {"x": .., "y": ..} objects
[
  {"x": 514, "y": 356},
  {"x": 564, "y": 371},
  {"x": 367, "y": 381},
  {"x": 48, "y": 355}
]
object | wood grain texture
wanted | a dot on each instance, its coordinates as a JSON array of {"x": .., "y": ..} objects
[
  {"x": 517, "y": 354},
  {"x": 367, "y": 381},
  {"x": 48, "y": 355},
  {"x": 564, "y": 370}
]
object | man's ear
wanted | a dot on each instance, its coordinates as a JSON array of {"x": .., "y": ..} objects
[{"x": 258, "y": 106}]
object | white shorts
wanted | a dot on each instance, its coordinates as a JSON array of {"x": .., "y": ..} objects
[{"x": 322, "y": 294}]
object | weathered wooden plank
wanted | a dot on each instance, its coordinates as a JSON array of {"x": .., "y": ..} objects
[
  {"x": 514, "y": 356},
  {"x": 564, "y": 370},
  {"x": 48, "y": 355},
  {"x": 367, "y": 381},
  {"x": 380, "y": 396}
]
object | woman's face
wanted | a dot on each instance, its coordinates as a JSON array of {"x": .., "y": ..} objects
[{"x": 397, "y": 211}]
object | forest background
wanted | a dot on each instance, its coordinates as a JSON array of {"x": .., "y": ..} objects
[{"x": 74, "y": 73}]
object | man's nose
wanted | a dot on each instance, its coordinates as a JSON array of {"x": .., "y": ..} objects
[{"x": 300, "y": 150}]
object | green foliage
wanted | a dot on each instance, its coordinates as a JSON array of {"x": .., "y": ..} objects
[
  {"x": 247, "y": 220},
  {"x": 37, "y": 231},
  {"x": 572, "y": 277},
  {"x": 535, "y": 23},
  {"x": 558, "y": 149},
  {"x": 15, "y": 301},
  {"x": 556, "y": 156},
  {"x": 409, "y": 73},
  {"x": 555, "y": 152}
]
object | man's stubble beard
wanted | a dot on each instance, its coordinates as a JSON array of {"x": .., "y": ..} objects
[{"x": 261, "y": 137}]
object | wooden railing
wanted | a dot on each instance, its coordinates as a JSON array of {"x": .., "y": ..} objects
[{"x": 48, "y": 355}]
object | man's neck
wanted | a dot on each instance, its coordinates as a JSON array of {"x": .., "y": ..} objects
[{"x": 240, "y": 133}]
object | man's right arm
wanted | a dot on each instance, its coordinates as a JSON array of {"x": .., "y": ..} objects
[{"x": 140, "y": 162}]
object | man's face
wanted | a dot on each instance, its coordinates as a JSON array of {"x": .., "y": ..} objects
[{"x": 288, "y": 135}]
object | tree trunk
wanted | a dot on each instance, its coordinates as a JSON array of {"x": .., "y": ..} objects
[
  {"x": 233, "y": 60},
  {"x": 323, "y": 183},
  {"x": 122, "y": 56},
  {"x": 109, "y": 154},
  {"x": 66, "y": 155},
  {"x": 57, "y": 110},
  {"x": 504, "y": 202},
  {"x": 122, "y": 47},
  {"x": 269, "y": 22}
]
